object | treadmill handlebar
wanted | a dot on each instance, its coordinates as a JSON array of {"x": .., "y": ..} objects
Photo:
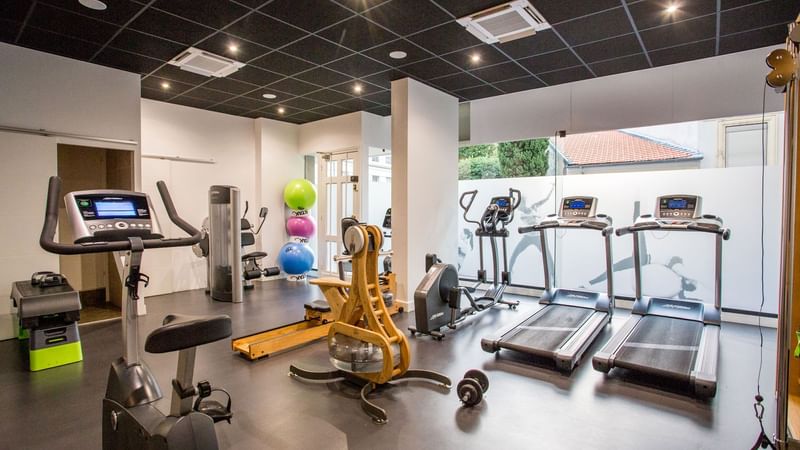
[
  {"x": 47, "y": 237},
  {"x": 602, "y": 226},
  {"x": 725, "y": 232}
]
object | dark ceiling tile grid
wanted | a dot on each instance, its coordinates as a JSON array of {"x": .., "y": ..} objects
[
  {"x": 119, "y": 12},
  {"x": 356, "y": 104},
  {"x": 303, "y": 103},
  {"x": 357, "y": 66},
  {"x": 129, "y": 62},
  {"x": 445, "y": 38},
  {"x": 348, "y": 88},
  {"x": 171, "y": 72},
  {"x": 609, "y": 48},
  {"x": 429, "y": 68},
  {"x": 9, "y": 30},
  {"x": 519, "y": 84},
  {"x": 357, "y": 33},
  {"x": 306, "y": 116},
  {"x": 476, "y": 57},
  {"x": 384, "y": 79},
  {"x": 556, "y": 11},
  {"x": 360, "y": 5},
  {"x": 155, "y": 94},
  {"x": 173, "y": 87},
  {"x": 620, "y": 65},
  {"x": 282, "y": 63},
  {"x": 500, "y": 72},
  {"x": 603, "y": 25},
  {"x": 405, "y": 17},
  {"x": 276, "y": 108},
  {"x": 651, "y": 13},
  {"x": 478, "y": 92},
  {"x": 316, "y": 50},
  {"x": 58, "y": 44},
  {"x": 758, "y": 15},
  {"x": 381, "y": 110},
  {"x": 255, "y": 76},
  {"x": 68, "y": 24},
  {"x": 680, "y": 33},
  {"x": 327, "y": 96},
  {"x": 290, "y": 86},
  {"x": 228, "y": 109},
  {"x": 144, "y": 44},
  {"x": 210, "y": 95},
  {"x": 265, "y": 31},
  {"x": 542, "y": 42},
  {"x": 752, "y": 39},
  {"x": 232, "y": 47},
  {"x": 413, "y": 53},
  {"x": 459, "y": 80},
  {"x": 192, "y": 102},
  {"x": 682, "y": 53},
  {"x": 247, "y": 103},
  {"x": 230, "y": 85},
  {"x": 330, "y": 110},
  {"x": 382, "y": 97},
  {"x": 170, "y": 27},
  {"x": 461, "y": 8},
  {"x": 15, "y": 10},
  {"x": 548, "y": 62},
  {"x": 566, "y": 75},
  {"x": 322, "y": 77},
  {"x": 310, "y": 15},
  {"x": 212, "y": 13}
]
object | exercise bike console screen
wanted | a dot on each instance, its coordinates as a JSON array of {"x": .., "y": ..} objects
[{"x": 110, "y": 216}]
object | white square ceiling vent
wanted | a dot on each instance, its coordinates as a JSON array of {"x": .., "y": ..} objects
[
  {"x": 205, "y": 63},
  {"x": 506, "y": 22}
]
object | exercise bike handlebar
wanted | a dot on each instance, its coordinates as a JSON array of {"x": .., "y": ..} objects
[{"x": 47, "y": 242}]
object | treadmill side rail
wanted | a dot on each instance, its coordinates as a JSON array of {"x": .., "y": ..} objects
[
  {"x": 704, "y": 374},
  {"x": 570, "y": 353},
  {"x": 604, "y": 359}
]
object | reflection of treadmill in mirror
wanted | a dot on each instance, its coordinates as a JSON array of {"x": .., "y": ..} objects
[
  {"x": 571, "y": 319},
  {"x": 672, "y": 338}
]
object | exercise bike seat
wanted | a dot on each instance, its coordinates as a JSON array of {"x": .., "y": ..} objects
[
  {"x": 318, "y": 305},
  {"x": 254, "y": 255},
  {"x": 180, "y": 332}
]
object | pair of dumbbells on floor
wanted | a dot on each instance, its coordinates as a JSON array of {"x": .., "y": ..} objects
[{"x": 472, "y": 387}]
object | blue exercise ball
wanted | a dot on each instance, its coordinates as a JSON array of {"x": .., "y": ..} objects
[{"x": 295, "y": 258}]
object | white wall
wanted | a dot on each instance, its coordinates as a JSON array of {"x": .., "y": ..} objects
[
  {"x": 174, "y": 130},
  {"x": 331, "y": 135},
  {"x": 424, "y": 180},
  {"x": 40, "y": 90},
  {"x": 722, "y": 86}
]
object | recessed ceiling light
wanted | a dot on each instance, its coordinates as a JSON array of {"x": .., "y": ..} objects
[
  {"x": 233, "y": 48},
  {"x": 475, "y": 57},
  {"x": 397, "y": 54},
  {"x": 672, "y": 8},
  {"x": 281, "y": 110},
  {"x": 357, "y": 88},
  {"x": 165, "y": 85},
  {"x": 97, "y": 5},
  {"x": 270, "y": 96}
]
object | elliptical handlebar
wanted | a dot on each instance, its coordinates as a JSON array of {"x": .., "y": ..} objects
[
  {"x": 48, "y": 243},
  {"x": 473, "y": 193}
]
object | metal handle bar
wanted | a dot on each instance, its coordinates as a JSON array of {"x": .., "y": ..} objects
[{"x": 339, "y": 258}]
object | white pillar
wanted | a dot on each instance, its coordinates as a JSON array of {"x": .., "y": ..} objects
[{"x": 424, "y": 181}]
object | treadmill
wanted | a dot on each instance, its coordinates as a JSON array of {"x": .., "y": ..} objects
[
  {"x": 677, "y": 339},
  {"x": 571, "y": 319}
]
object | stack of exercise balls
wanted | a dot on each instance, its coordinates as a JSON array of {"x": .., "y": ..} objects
[{"x": 296, "y": 257}]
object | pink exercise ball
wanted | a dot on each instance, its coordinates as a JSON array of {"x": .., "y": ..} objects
[{"x": 301, "y": 226}]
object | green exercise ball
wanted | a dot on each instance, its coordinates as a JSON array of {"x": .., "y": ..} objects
[{"x": 300, "y": 194}]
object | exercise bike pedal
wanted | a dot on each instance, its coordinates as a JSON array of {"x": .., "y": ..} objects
[{"x": 212, "y": 408}]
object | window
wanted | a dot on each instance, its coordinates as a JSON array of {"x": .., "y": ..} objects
[
  {"x": 375, "y": 178},
  {"x": 740, "y": 141}
]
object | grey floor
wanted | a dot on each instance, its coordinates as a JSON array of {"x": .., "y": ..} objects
[{"x": 527, "y": 406}]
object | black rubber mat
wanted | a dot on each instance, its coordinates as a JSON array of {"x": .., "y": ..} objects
[
  {"x": 662, "y": 345},
  {"x": 550, "y": 329}
]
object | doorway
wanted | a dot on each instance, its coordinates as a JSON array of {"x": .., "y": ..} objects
[
  {"x": 95, "y": 276},
  {"x": 338, "y": 175}
]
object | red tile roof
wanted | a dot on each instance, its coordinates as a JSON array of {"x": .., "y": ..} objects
[{"x": 609, "y": 147}]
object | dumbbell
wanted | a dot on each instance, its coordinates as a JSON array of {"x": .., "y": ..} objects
[{"x": 471, "y": 389}]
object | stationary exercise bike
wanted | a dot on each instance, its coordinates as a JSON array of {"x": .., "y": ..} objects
[
  {"x": 124, "y": 221},
  {"x": 437, "y": 299}
]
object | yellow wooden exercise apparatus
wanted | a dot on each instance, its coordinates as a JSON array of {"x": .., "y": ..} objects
[{"x": 364, "y": 344}]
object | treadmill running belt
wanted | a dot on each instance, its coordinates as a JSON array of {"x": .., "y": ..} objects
[
  {"x": 550, "y": 329},
  {"x": 663, "y": 345}
]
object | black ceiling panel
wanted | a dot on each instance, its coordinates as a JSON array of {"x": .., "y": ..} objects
[
  {"x": 69, "y": 24},
  {"x": 282, "y": 63},
  {"x": 519, "y": 84},
  {"x": 57, "y": 43},
  {"x": 118, "y": 12},
  {"x": 221, "y": 43},
  {"x": 413, "y": 53},
  {"x": 610, "y": 48},
  {"x": 357, "y": 33},
  {"x": 214, "y": 13},
  {"x": 265, "y": 31},
  {"x": 171, "y": 72},
  {"x": 310, "y": 15},
  {"x": 619, "y": 65},
  {"x": 680, "y": 33},
  {"x": 381, "y": 110},
  {"x": 254, "y": 75},
  {"x": 230, "y": 85},
  {"x": 445, "y": 38},
  {"x": 486, "y": 55},
  {"x": 360, "y": 5},
  {"x": 312, "y": 53},
  {"x": 542, "y": 42},
  {"x": 130, "y": 62},
  {"x": 170, "y": 27},
  {"x": 759, "y": 15},
  {"x": 303, "y": 103},
  {"x": 144, "y": 44},
  {"x": 327, "y": 96},
  {"x": 500, "y": 72},
  {"x": 461, "y": 8},
  {"x": 652, "y": 13},
  {"x": 322, "y": 77},
  {"x": 478, "y": 92},
  {"x": 316, "y": 50},
  {"x": 566, "y": 75},
  {"x": 673, "y": 55},
  {"x": 550, "y": 61},
  {"x": 291, "y": 86},
  {"x": 430, "y": 68},
  {"x": 555, "y": 11},
  {"x": 357, "y": 66},
  {"x": 459, "y": 80},
  {"x": 408, "y": 16},
  {"x": 604, "y": 25}
]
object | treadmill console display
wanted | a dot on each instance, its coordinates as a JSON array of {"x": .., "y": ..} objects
[
  {"x": 578, "y": 207},
  {"x": 678, "y": 206},
  {"x": 110, "y": 215}
]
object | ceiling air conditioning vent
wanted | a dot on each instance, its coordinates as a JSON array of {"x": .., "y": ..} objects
[
  {"x": 204, "y": 63},
  {"x": 506, "y": 22}
]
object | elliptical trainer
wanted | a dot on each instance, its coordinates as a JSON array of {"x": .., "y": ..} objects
[
  {"x": 437, "y": 299},
  {"x": 105, "y": 221}
]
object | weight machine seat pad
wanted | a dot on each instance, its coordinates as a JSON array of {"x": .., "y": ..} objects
[
  {"x": 318, "y": 305},
  {"x": 181, "y": 331},
  {"x": 254, "y": 255}
]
